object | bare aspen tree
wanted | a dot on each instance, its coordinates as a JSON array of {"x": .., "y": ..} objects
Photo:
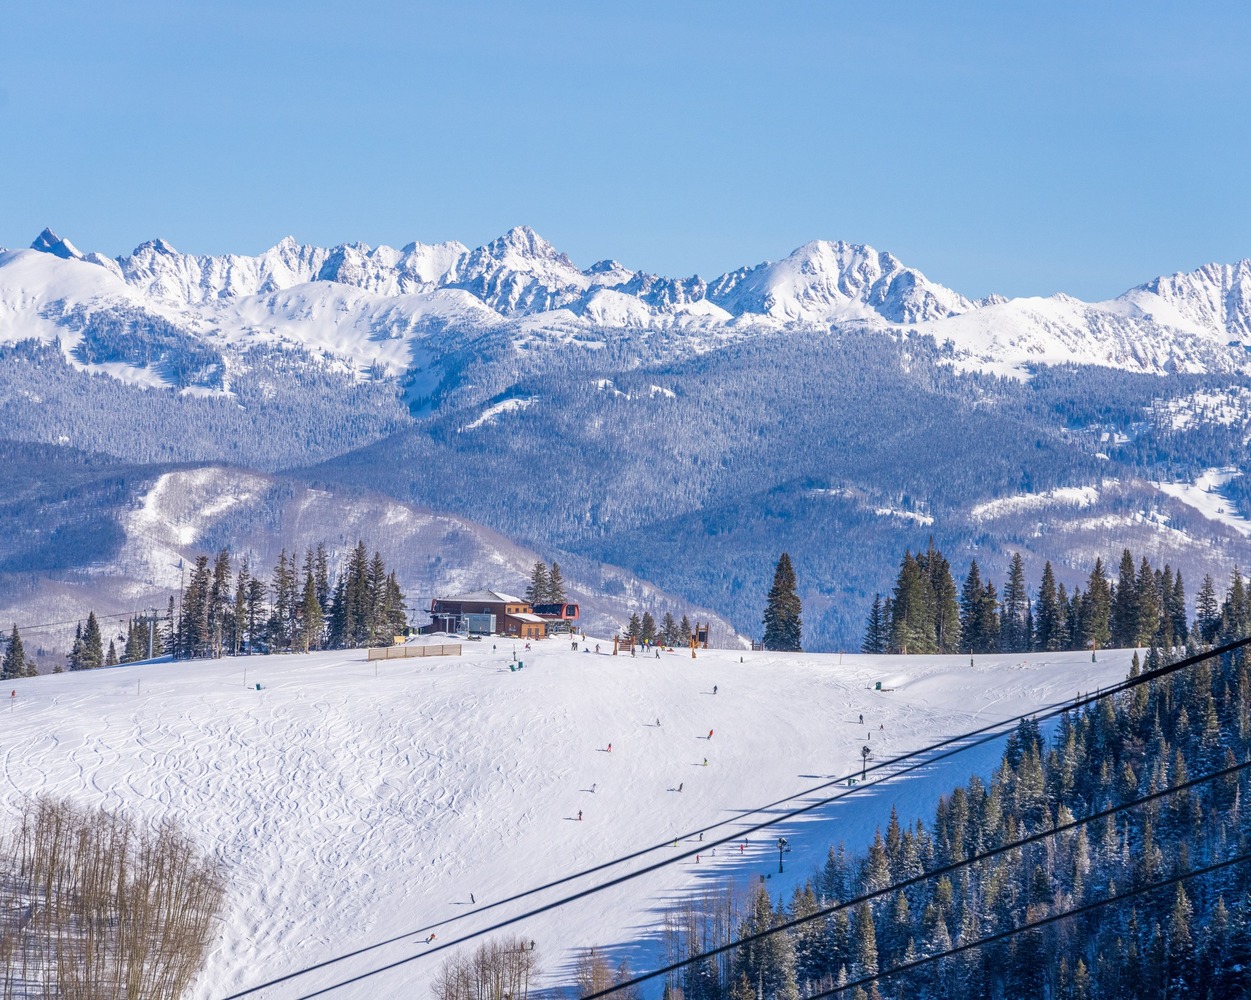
[
  {"x": 93, "y": 907},
  {"x": 500, "y": 969}
]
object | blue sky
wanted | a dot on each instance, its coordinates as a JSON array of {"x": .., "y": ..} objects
[{"x": 1021, "y": 149}]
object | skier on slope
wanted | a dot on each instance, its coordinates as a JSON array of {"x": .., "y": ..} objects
[
  {"x": 710, "y": 734},
  {"x": 579, "y": 815}
]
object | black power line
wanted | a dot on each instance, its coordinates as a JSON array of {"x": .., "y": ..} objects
[
  {"x": 966, "y": 741},
  {"x": 143, "y": 612}
]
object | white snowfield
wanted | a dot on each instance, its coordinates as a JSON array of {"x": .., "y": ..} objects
[
  {"x": 351, "y": 807},
  {"x": 1205, "y": 496}
]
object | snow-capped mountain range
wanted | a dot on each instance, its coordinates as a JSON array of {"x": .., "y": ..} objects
[{"x": 367, "y": 306}]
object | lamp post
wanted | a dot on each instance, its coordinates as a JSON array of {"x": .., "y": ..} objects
[
  {"x": 865, "y": 754},
  {"x": 782, "y": 849}
]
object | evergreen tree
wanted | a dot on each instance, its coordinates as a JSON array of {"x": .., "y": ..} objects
[
  {"x": 1177, "y": 611},
  {"x": 220, "y": 606},
  {"x": 971, "y": 611},
  {"x": 1074, "y": 616},
  {"x": 864, "y": 941},
  {"x": 684, "y": 632},
  {"x": 110, "y": 659},
  {"x": 988, "y": 619},
  {"x": 397, "y": 608},
  {"x": 321, "y": 576},
  {"x": 912, "y": 624},
  {"x": 1235, "y": 613},
  {"x": 74, "y": 659},
  {"x": 647, "y": 631},
  {"x": 239, "y": 610},
  {"x": 283, "y": 612},
  {"x": 783, "y": 627},
  {"x": 92, "y": 655},
  {"x": 669, "y": 630},
  {"x": 136, "y": 641},
  {"x": 876, "y": 632},
  {"x": 193, "y": 623},
  {"x": 255, "y": 611},
  {"x": 1150, "y": 606},
  {"x": 169, "y": 633},
  {"x": 1207, "y": 612},
  {"x": 310, "y": 615},
  {"x": 15, "y": 663},
  {"x": 1123, "y": 615},
  {"x": 380, "y": 619},
  {"x": 337, "y": 625},
  {"x": 357, "y": 602},
  {"x": 1096, "y": 609},
  {"x": 943, "y": 598},
  {"x": 555, "y": 585},
  {"x": 539, "y": 586},
  {"x": 1048, "y": 633},
  {"x": 635, "y": 629},
  {"x": 1013, "y": 635}
]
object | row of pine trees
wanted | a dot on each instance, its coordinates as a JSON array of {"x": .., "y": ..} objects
[
  {"x": 546, "y": 586},
  {"x": 1143, "y": 606},
  {"x": 644, "y": 629},
  {"x": 228, "y": 610}
]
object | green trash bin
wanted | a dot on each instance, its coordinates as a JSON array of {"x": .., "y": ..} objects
[{"x": 877, "y": 686}]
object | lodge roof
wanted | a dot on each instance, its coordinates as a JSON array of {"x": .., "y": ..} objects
[{"x": 483, "y": 597}]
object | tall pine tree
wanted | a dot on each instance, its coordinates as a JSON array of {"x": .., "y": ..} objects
[{"x": 783, "y": 626}]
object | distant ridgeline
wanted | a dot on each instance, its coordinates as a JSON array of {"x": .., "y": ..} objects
[
  {"x": 1145, "y": 606},
  {"x": 226, "y": 611},
  {"x": 1191, "y": 938}
]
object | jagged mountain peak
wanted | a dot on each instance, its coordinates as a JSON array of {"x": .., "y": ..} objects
[
  {"x": 50, "y": 242},
  {"x": 1212, "y": 297},
  {"x": 156, "y": 246},
  {"x": 825, "y": 280},
  {"x": 524, "y": 242}
]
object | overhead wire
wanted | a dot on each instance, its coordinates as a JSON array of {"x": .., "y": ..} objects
[
  {"x": 24, "y": 629},
  {"x": 986, "y": 734}
]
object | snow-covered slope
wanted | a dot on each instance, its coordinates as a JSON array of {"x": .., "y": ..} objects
[
  {"x": 354, "y": 803},
  {"x": 346, "y": 300}
]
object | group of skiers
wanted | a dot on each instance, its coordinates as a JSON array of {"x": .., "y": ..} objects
[{"x": 608, "y": 749}]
